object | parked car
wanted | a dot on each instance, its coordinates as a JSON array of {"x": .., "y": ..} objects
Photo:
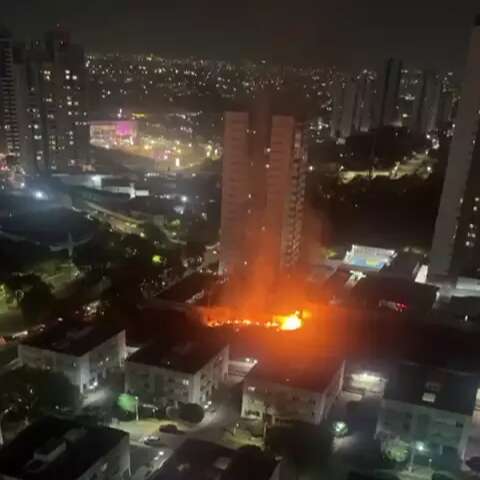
[
  {"x": 171, "y": 428},
  {"x": 154, "y": 442}
]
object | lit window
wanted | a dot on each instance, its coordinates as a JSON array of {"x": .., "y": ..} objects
[{"x": 250, "y": 388}]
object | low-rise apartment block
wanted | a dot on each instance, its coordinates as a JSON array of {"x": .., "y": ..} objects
[
  {"x": 181, "y": 372},
  {"x": 85, "y": 353},
  {"x": 292, "y": 390}
]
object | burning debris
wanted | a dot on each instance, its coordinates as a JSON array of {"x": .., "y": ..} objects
[{"x": 219, "y": 316}]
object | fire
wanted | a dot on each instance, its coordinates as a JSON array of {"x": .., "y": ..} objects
[
  {"x": 289, "y": 322},
  {"x": 218, "y": 316}
]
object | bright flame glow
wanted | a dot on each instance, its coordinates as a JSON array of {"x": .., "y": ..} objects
[
  {"x": 289, "y": 322},
  {"x": 218, "y": 316}
]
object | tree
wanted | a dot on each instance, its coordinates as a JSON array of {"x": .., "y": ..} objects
[
  {"x": 36, "y": 301},
  {"x": 194, "y": 249},
  {"x": 308, "y": 447},
  {"x": 191, "y": 412},
  {"x": 31, "y": 388},
  {"x": 91, "y": 257},
  {"x": 194, "y": 252},
  {"x": 154, "y": 234},
  {"x": 54, "y": 390},
  {"x": 32, "y": 294},
  {"x": 396, "y": 450}
]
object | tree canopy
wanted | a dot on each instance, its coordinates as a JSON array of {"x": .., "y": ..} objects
[{"x": 308, "y": 447}]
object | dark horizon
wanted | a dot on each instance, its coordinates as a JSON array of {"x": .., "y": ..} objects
[{"x": 348, "y": 34}]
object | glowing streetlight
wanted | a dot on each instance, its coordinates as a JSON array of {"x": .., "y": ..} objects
[{"x": 39, "y": 195}]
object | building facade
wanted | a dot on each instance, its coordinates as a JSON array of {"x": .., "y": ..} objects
[
  {"x": 456, "y": 249},
  {"x": 353, "y": 104},
  {"x": 44, "y": 102},
  {"x": 264, "y": 175},
  {"x": 13, "y": 120},
  {"x": 431, "y": 408},
  {"x": 364, "y": 114},
  {"x": 185, "y": 373},
  {"x": 447, "y": 104},
  {"x": 84, "y": 354},
  {"x": 58, "y": 448},
  {"x": 387, "y": 94},
  {"x": 351, "y": 100},
  {"x": 426, "y": 103},
  {"x": 306, "y": 393},
  {"x": 338, "y": 100}
]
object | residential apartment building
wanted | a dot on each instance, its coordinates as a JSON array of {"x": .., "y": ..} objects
[
  {"x": 169, "y": 373},
  {"x": 456, "y": 247},
  {"x": 54, "y": 448},
  {"x": 212, "y": 461},
  {"x": 292, "y": 390},
  {"x": 426, "y": 103},
  {"x": 430, "y": 407},
  {"x": 263, "y": 189},
  {"x": 44, "y": 102},
  {"x": 387, "y": 94},
  {"x": 353, "y": 104},
  {"x": 85, "y": 353},
  {"x": 13, "y": 115}
]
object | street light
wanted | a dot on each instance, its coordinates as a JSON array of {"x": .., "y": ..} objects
[
  {"x": 340, "y": 429},
  {"x": 39, "y": 195},
  {"x": 417, "y": 447}
]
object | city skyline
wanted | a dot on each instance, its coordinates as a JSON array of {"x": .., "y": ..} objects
[
  {"x": 224, "y": 269},
  {"x": 348, "y": 34}
]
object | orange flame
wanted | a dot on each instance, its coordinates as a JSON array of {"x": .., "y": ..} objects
[{"x": 289, "y": 322}]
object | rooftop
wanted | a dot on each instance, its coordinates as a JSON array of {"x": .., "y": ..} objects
[
  {"x": 187, "y": 356},
  {"x": 73, "y": 338},
  {"x": 250, "y": 465},
  {"x": 375, "y": 288},
  {"x": 436, "y": 388},
  {"x": 404, "y": 265},
  {"x": 189, "y": 286},
  {"x": 195, "y": 460},
  {"x": 56, "y": 448},
  {"x": 314, "y": 374},
  {"x": 199, "y": 460}
]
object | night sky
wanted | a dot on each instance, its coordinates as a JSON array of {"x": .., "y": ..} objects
[{"x": 350, "y": 33}]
